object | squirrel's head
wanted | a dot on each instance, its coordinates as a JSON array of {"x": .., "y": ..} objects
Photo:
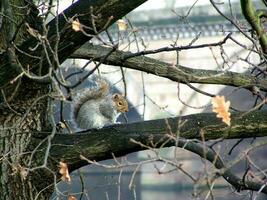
[{"x": 120, "y": 102}]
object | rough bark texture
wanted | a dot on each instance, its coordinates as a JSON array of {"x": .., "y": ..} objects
[
  {"x": 19, "y": 109},
  {"x": 27, "y": 114}
]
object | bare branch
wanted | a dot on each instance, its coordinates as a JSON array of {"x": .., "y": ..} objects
[{"x": 177, "y": 48}]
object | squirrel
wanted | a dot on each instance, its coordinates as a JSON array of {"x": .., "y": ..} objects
[{"x": 97, "y": 107}]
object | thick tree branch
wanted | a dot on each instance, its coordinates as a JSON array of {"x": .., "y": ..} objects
[
  {"x": 159, "y": 68},
  {"x": 68, "y": 40},
  {"x": 98, "y": 144}
]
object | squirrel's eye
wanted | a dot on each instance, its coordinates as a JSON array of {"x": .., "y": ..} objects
[{"x": 120, "y": 103}]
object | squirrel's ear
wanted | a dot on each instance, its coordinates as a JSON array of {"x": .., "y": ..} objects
[{"x": 115, "y": 96}]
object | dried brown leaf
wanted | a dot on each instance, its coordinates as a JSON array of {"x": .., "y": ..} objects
[
  {"x": 70, "y": 197},
  {"x": 221, "y": 107},
  {"x": 63, "y": 170},
  {"x": 121, "y": 25},
  {"x": 76, "y": 25}
]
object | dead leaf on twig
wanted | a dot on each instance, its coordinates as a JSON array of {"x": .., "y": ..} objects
[
  {"x": 63, "y": 170},
  {"x": 71, "y": 197},
  {"x": 121, "y": 25},
  {"x": 221, "y": 107},
  {"x": 76, "y": 25}
]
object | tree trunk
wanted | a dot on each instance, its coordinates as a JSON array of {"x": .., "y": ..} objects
[
  {"x": 22, "y": 108},
  {"x": 26, "y": 112}
]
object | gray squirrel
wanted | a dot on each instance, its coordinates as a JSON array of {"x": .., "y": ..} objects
[{"x": 96, "y": 107}]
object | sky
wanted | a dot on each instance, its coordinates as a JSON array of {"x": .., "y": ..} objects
[
  {"x": 155, "y": 4},
  {"x": 152, "y": 4}
]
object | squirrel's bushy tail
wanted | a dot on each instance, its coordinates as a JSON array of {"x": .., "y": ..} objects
[{"x": 95, "y": 92}]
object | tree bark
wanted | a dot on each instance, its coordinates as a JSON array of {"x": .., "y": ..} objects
[
  {"x": 18, "y": 107},
  {"x": 25, "y": 112}
]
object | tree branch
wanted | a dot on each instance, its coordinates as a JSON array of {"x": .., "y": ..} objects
[
  {"x": 254, "y": 20},
  {"x": 159, "y": 68},
  {"x": 68, "y": 40},
  {"x": 178, "y": 48},
  {"x": 100, "y": 144}
]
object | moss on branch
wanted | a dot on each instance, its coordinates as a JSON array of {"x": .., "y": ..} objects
[
  {"x": 99, "y": 144},
  {"x": 253, "y": 18}
]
